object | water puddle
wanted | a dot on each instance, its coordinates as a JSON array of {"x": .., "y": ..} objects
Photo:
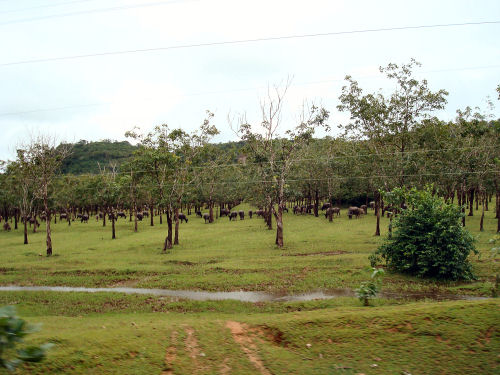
[{"x": 243, "y": 296}]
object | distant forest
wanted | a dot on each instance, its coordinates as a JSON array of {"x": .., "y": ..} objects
[{"x": 86, "y": 157}]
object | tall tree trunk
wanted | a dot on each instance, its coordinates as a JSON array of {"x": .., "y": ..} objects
[
  {"x": 481, "y": 222},
  {"x": 471, "y": 202},
  {"x": 211, "y": 211},
  {"x": 151, "y": 215},
  {"x": 104, "y": 219},
  {"x": 135, "y": 217},
  {"x": 268, "y": 214},
  {"x": 15, "y": 219},
  {"x": 464, "y": 198},
  {"x": 377, "y": 212},
  {"x": 47, "y": 226},
  {"x": 113, "y": 226},
  {"x": 279, "y": 226},
  {"x": 25, "y": 230},
  {"x": 160, "y": 213},
  {"x": 168, "y": 240},
  {"x": 316, "y": 202},
  {"x": 176, "y": 217}
]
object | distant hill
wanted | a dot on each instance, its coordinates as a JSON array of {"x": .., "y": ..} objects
[{"x": 86, "y": 156}]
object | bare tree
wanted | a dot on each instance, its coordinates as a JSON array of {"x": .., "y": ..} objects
[
  {"x": 44, "y": 160},
  {"x": 274, "y": 153}
]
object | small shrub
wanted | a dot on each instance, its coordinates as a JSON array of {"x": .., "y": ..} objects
[
  {"x": 429, "y": 240},
  {"x": 370, "y": 289},
  {"x": 12, "y": 331}
]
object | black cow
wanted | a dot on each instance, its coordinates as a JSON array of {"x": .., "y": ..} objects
[
  {"x": 6, "y": 226},
  {"x": 145, "y": 214},
  {"x": 325, "y": 206},
  {"x": 139, "y": 216},
  {"x": 121, "y": 214},
  {"x": 206, "y": 217},
  {"x": 224, "y": 212},
  {"x": 183, "y": 217},
  {"x": 242, "y": 215},
  {"x": 198, "y": 213},
  {"x": 250, "y": 213},
  {"x": 233, "y": 215},
  {"x": 63, "y": 216},
  {"x": 85, "y": 218},
  {"x": 260, "y": 213}
]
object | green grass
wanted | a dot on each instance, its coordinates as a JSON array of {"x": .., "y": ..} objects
[
  {"x": 456, "y": 337},
  {"x": 223, "y": 256},
  {"x": 113, "y": 333}
]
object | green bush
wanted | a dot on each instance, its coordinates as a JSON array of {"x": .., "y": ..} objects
[
  {"x": 12, "y": 332},
  {"x": 429, "y": 240}
]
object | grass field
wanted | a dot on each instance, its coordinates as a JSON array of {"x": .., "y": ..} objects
[
  {"x": 111, "y": 333},
  {"x": 223, "y": 256}
]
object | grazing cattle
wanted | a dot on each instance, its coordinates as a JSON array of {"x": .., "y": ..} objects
[
  {"x": 145, "y": 214},
  {"x": 260, "y": 213},
  {"x": 121, "y": 214},
  {"x": 285, "y": 209},
  {"x": 372, "y": 205},
  {"x": 6, "y": 226},
  {"x": 336, "y": 210},
  {"x": 356, "y": 211},
  {"x": 139, "y": 216},
  {"x": 198, "y": 213},
  {"x": 233, "y": 215},
  {"x": 224, "y": 212},
  {"x": 364, "y": 208},
  {"x": 183, "y": 217},
  {"x": 96, "y": 217},
  {"x": 206, "y": 217},
  {"x": 296, "y": 209},
  {"x": 250, "y": 213},
  {"x": 63, "y": 216},
  {"x": 79, "y": 216},
  {"x": 325, "y": 206},
  {"x": 242, "y": 215},
  {"x": 85, "y": 218}
]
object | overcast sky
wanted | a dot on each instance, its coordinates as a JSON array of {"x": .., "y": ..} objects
[{"x": 101, "y": 97}]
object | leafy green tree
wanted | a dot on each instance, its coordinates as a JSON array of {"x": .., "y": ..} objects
[{"x": 428, "y": 240}]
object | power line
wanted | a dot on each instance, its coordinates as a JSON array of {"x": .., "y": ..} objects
[
  {"x": 76, "y": 106},
  {"x": 242, "y": 41},
  {"x": 93, "y": 11},
  {"x": 45, "y": 6}
]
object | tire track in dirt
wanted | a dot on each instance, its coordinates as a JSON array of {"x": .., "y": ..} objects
[
  {"x": 170, "y": 355},
  {"x": 239, "y": 333}
]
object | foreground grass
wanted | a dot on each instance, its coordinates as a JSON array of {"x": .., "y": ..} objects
[
  {"x": 223, "y": 256},
  {"x": 457, "y": 337}
]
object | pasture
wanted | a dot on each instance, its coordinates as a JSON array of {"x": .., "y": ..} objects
[{"x": 112, "y": 333}]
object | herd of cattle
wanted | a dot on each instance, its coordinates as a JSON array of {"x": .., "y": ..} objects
[{"x": 330, "y": 211}]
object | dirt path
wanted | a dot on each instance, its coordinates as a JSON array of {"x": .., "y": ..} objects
[
  {"x": 170, "y": 355},
  {"x": 240, "y": 336}
]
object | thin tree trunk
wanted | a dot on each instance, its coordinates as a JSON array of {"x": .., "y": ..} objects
[
  {"x": 481, "y": 222},
  {"x": 113, "y": 225},
  {"x": 168, "y": 239},
  {"x": 377, "y": 212},
  {"x": 176, "y": 235},
  {"x": 25, "y": 230},
  {"x": 47, "y": 226},
  {"x": 279, "y": 226},
  {"x": 316, "y": 202},
  {"x": 471, "y": 202},
  {"x": 151, "y": 215}
]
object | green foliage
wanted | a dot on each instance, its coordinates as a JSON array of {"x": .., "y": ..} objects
[
  {"x": 429, "y": 240},
  {"x": 370, "y": 289},
  {"x": 12, "y": 331}
]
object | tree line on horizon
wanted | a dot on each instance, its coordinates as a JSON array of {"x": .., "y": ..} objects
[{"x": 391, "y": 141}]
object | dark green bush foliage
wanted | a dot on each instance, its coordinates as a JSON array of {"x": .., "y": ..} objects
[
  {"x": 428, "y": 239},
  {"x": 12, "y": 332}
]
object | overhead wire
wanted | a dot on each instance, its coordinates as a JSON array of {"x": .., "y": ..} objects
[
  {"x": 245, "y": 41},
  {"x": 87, "y": 105}
]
